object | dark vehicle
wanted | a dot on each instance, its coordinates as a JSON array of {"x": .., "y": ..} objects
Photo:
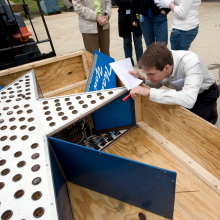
[{"x": 16, "y": 46}]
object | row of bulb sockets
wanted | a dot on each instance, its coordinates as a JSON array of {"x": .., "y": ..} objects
[{"x": 37, "y": 213}]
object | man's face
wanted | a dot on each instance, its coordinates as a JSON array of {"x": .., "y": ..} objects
[{"x": 154, "y": 75}]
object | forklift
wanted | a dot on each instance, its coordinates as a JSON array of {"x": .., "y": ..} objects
[{"x": 16, "y": 45}]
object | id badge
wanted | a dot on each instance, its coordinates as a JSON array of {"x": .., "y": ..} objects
[
  {"x": 128, "y": 11},
  {"x": 141, "y": 18}
]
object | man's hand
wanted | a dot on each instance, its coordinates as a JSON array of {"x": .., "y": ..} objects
[
  {"x": 138, "y": 90},
  {"x": 163, "y": 3},
  {"x": 136, "y": 74},
  {"x": 134, "y": 24},
  {"x": 219, "y": 87}
]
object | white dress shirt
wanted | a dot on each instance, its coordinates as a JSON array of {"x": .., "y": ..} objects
[
  {"x": 185, "y": 14},
  {"x": 189, "y": 68}
]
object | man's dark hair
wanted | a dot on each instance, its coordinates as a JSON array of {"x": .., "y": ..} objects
[{"x": 156, "y": 55}]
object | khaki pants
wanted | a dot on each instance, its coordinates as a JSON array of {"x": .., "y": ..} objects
[{"x": 99, "y": 41}]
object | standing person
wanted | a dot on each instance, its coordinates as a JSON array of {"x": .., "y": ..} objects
[
  {"x": 153, "y": 20},
  {"x": 185, "y": 23},
  {"x": 192, "y": 84},
  {"x": 94, "y": 23},
  {"x": 126, "y": 28}
]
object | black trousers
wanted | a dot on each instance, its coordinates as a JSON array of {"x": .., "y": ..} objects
[{"x": 206, "y": 104}]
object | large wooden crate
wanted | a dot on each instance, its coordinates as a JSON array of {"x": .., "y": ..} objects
[
  {"x": 61, "y": 75},
  {"x": 169, "y": 137},
  {"x": 166, "y": 136}
]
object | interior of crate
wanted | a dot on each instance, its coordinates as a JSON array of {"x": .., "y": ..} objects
[
  {"x": 164, "y": 135},
  {"x": 146, "y": 143},
  {"x": 57, "y": 76},
  {"x": 83, "y": 164}
]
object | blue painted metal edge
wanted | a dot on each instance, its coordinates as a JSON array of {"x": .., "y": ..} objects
[{"x": 142, "y": 185}]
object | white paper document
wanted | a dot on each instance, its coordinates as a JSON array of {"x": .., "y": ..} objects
[
  {"x": 121, "y": 69},
  {"x": 179, "y": 83}
]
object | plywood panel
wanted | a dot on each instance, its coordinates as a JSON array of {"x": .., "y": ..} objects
[
  {"x": 76, "y": 90},
  {"x": 65, "y": 89},
  {"x": 36, "y": 64},
  {"x": 187, "y": 161},
  {"x": 54, "y": 75},
  {"x": 196, "y": 137},
  {"x": 90, "y": 205},
  {"x": 89, "y": 59},
  {"x": 194, "y": 199}
]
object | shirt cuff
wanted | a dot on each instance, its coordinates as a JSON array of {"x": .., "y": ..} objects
[{"x": 155, "y": 95}]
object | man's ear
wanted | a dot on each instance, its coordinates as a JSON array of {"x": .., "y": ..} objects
[{"x": 167, "y": 68}]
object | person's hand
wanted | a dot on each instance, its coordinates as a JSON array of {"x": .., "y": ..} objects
[
  {"x": 136, "y": 74},
  {"x": 102, "y": 20},
  {"x": 219, "y": 87},
  {"x": 138, "y": 90},
  {"x": 163, "y": 3},
  {"x": 105, "y": 18},
  {"x": 134, "y": 23}
]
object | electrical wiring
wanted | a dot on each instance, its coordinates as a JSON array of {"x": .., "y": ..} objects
[{"x": 81, "y": 140}]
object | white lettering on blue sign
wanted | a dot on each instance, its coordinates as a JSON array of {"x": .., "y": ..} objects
[{"x": 106, "y": 75}]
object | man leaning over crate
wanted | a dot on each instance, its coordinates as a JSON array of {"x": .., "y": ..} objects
[
  {"x": 94, "y": 23},
  {"x": 192, "y": 84}
]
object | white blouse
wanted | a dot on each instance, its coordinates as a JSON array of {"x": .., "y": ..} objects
[{"x": 185, "y": 14}]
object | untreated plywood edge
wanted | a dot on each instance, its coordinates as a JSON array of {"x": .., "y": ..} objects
[
  {"x": 85, "y": 64},
  {"x": 138, "y": 111},
  {"x": 196, "y": 168},
  {"x": 89, "y": 58},
  {"x": 40, "y": 63},
  {"x": 64, "y": 89}
]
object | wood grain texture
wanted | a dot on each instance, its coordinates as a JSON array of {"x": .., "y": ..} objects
[
  {"x": 138, "y": 110},
  {"x": 86, "y": 69},
  {"x": 89, "y": 59},
  {"x": 187, "y": 161},
  {"x": 194, "y": 199},
  {"x": 54, "y": 75},
  {"x": 194, "y": 136},
  {"x": 76, "y": 90},
  {"x": 65, "y": 89},
  {"x": 33, "y": 65},
  {"x": 90, "y": 205}
]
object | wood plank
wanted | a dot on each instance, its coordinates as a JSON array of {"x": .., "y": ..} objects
[
  {"x": 196, "y": 137},
  {"x": 89, "y": 59},
  {"x": 138, "y": 111},
  {"x": 86, "y": 69},
  {"x": 87, "y": 205},
  {"x": 64, "y": 89},
  {"x": 53, "y": 76},
  {"x": 76, "y": 90},
  {"x": 194, "y": 199},
  {"x": 33, "y": 65},
  {"x": 202, "y": 173}
]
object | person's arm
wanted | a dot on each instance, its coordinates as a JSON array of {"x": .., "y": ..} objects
[
  {"x": 108, "y": 8},
  {"x": 181, "y": 11},
  {"x": 187, "y": 96},
  {"x": 83, "y": 11},
  {"x": 134, "y": 11}
]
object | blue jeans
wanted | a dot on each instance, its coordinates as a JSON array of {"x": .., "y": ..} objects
[
  {"x": 137, "y": 45},
  {"x": 154, "y": 29},
  {"x": 181, "y": 40}
]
